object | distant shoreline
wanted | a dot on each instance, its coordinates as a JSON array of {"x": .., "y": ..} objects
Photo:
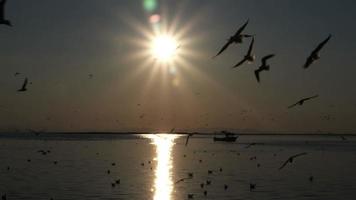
[{"x": 178, "y": 133}]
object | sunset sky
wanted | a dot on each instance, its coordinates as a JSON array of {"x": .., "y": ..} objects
[{"x": 58, "y": 44}]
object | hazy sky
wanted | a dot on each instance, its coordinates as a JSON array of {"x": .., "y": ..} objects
[{"x": 57, "y": 44}]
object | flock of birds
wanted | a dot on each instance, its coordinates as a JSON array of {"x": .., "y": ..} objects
[
  {"x": 238, "y": 38},
  {"x": 252, "y": 186}
]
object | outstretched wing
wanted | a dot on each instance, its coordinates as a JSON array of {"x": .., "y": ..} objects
[
  {"x": 251, "y": 46},
  {"x": 257, "y": 74},
  {"x": 2, "y": 9},
  {"x": 240, "y": 63},
  {"x": 239, "y": 31},
  {"x": 264, "y": 59},
  {"x": 309, "y": 98},
  {"x": 321, "y": 45},
  {"x": 291, "y": 106},
  {"x": 223, "y": 48},
  {"x": 284, "y": 164},
  {"x": 308, "y": 62},
  {"x": 299, "y": 154},
  {"x": 25, "y": 83}
]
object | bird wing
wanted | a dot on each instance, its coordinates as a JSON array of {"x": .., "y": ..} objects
[
  {"x": 246, "y": 35},
  {"x": 2, "y": 9},
  {"x": 297, "y": 155},
  {"x": 291, "y": 106},
  {"x": 239, "y": 31},
  {"x": 257, "y": 74},
  {"x": 290, "y": 158},
  {"x": 240, "y": 63},
  {"x": 251, "y": 46},
  {"x": 284, "y": 164},
  {"x": 309, "y": 98},
  {"x": 321, "y": 45},
  {"x": 308, "y": 62},
  {"x": 25, "y": 83},
  {"x": 223, "y": 48},
  {"x": 264, "y": 59}
]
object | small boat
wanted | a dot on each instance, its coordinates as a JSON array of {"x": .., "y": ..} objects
[{"x": 229, "y": 137}]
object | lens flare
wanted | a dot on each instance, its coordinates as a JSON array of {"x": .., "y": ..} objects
[{"x": 150, "y": 5}]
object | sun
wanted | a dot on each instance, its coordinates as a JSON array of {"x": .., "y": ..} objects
[{"x": 164, "y": 48}]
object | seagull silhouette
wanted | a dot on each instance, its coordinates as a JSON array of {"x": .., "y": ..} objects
[
  {"x": 23, "y": 88},
  {"x": 2, "y": 14},
  {"x": 315, "y": 54},
  {"x": 237, "y": 38},
  {"x": 17, "y": 73},
  {"x": 291, "y": 159},
  {"x": 249, "y": 56},
  {"x": 301, "y": 102},
  {"x": 263, "y": 67}
]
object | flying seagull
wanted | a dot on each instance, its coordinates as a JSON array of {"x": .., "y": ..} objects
[
  {"x": 2, "y": 14},
  {"x": 263, "y": 67},
  {"x": 249, "y": 56},
  {"x": 291, "y": 159},
  {"x": 237, "y": 38},
  {"x": 315, "y": 54},
  {"x": 301, "y": 102},
  {"x": 23, "y": 88}
]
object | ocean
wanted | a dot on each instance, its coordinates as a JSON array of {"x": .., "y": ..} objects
[{"x": 162, "y": 167}]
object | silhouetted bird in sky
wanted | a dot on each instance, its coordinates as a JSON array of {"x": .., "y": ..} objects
[
  {"x": 237, "y": 38},
  {"x": 90, "y": 76},
  {"x": 23, "y": 88},
  {"x": 301, "y": 102},
  {"x": 2, "y": 14},
  {"x": 249, "y": 56},
  {"x": 315, "y": 54},
  {"x": 17, "y": 73},
  {"x": 291, "y": 159},
  {"x": 263, "y": 67}
]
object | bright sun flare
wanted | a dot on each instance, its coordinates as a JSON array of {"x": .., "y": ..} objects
[{"x": 164, "y": 48}]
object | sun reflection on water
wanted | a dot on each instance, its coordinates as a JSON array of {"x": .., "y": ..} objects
[{"x": 163, "y": 184}]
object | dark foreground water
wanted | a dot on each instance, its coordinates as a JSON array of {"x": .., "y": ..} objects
[{"x": 76, "y": 167}]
